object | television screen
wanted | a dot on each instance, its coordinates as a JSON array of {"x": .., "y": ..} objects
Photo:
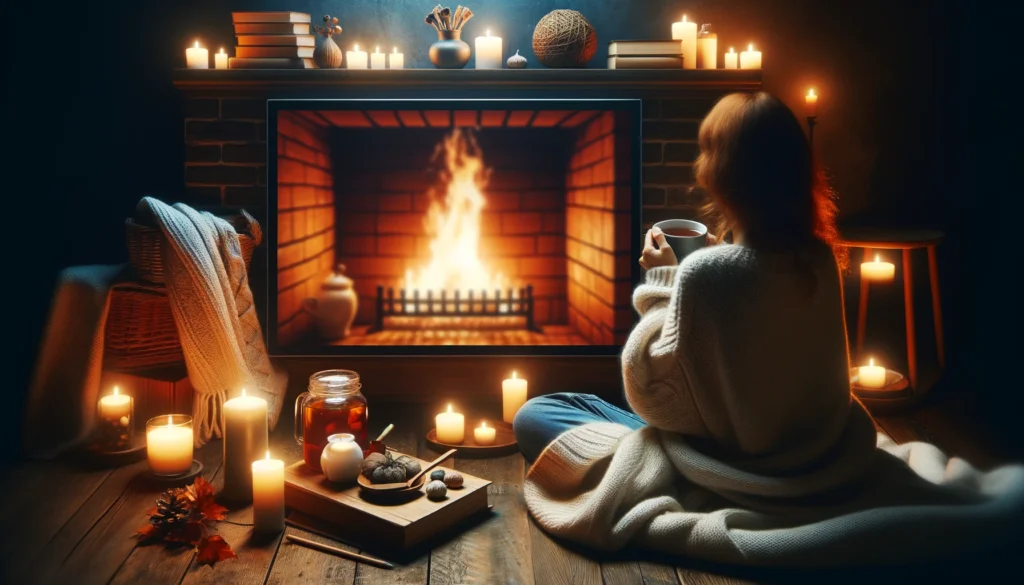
[{"x": 453, "y": 227}]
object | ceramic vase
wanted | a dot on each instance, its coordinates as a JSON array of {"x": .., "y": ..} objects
[
  {"x": 327, "y": 54},
  {"x": 342, "y": 459},
  {"x": 334, "y": 309},
  {"x": 450, "y": 51}
]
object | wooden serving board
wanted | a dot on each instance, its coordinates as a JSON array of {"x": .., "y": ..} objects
[{"x": 361, "y": 518}]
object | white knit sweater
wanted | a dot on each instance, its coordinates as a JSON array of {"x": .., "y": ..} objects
[{"x": 755, "y": 453}]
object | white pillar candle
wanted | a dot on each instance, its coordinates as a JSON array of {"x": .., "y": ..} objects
[
  {"x": 450, "y": 427},
  {"x": 871, "y": 376},
  {"x": 397, "y": 60},
  {"x": 377, "y": 59},
  {"x": 356, "y": 59},
  {"x": 707, "y": 48},
  {"x": 513, "y": 397},
  {"x": 811, "y": 99},
  {"x": 750, "y": 59},
  {"x": 484, "y": 435},
  {"x": 686, "y": 32},
  {"x": 245, "y": 439},
  {"x": 220, "y": 60},
  {"x": 488, "y": 52},
  {"x": 268, "y": 495},
  {"x": 169, "y": 447},
  {"x": 877, "y": 270},
  {"x": 731, "y": 59},
  {"x": 197, "y": 57},
  {"x": 115, "y": 406}
]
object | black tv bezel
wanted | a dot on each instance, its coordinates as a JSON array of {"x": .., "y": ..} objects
[{"x": 632, "y": 107}]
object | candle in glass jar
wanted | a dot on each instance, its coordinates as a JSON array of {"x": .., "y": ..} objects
[
  {"x": 488, "y": 52},
  {"x": 750, "y": 59},
  {"x": 450, "y": 427},
  {"x": 877, "y": 270},
  {"x": 267, "y": 495},
  {"x": 707, "y": 48},
  {"x": 484, "y": 435},
  {"x": 397, "y": 60},
  {"x": 732, "y": 59},
  {"x": 377, "y": 59},
  {"x": 513, "y": 396},
  {"x": 811, "y": 100},
  {"x": 356, "y": 59},
  {"x": 871, "y": 376},
  {"x": 169, "y": 446},
  {"x": 686, "y": 32},
  {"x": 115, "y": 406},
  {"x": 245, "y": 439},
  {"x": 197, "y": 57},
  {"x": 220, "y": 60}
]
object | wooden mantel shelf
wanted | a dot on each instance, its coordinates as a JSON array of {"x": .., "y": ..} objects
[{"x": 439, "y": 79}]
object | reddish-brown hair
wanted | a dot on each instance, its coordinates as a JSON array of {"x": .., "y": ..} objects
[{"x": 756, "y": 166}]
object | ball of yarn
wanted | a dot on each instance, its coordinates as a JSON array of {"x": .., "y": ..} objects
[
  {"x": 436, "y": 490},
  {"x": 453, "y": 479},
  {"x": 437, "y": 475},
  {"x": 564, "y": 38}
]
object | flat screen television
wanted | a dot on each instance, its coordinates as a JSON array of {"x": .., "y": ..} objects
[{"x": 452, "y": 227}]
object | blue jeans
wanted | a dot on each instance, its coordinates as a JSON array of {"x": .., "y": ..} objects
[{"x": 542, "y": 419}]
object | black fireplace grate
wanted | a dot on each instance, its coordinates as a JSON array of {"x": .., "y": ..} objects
[{"x": 455, "y": 305}]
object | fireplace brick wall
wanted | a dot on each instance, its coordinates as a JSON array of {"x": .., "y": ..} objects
[{"x": 305, "y": 234}]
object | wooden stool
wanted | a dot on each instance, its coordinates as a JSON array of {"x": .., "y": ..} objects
[{"x": 905, "y": 240}]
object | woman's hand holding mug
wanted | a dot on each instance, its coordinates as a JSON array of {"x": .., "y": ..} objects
[{"x": 662, "y": 255}]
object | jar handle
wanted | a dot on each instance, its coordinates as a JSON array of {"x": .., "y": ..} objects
[{"x": 300, "y": 400}]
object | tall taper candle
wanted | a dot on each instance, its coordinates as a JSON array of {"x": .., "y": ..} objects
[{"x": 245, "y": 440}]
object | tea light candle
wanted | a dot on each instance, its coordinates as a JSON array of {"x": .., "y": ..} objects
[
  {"x": 355, "y": 58},
  {"x": 450, "y": 427},
  {"x": 488, "y": 52},
  {"x": 115, "y": 406},
  {"x": 750, "y": 59},
  {"x": 811, "y": 99},
  {"x": 484, "y": 435},
  {"x": 687, "y": 33},
  {"x": 397, "y": 60},
  {"x": 877, "y": 270},
  {"x": 197, "y": 57},
  {"x": 245, "y": 439},
  {"x": 268, "y": 495},
  {"x": 731, "y": 59},
  {"x": 220, "y": 60},
  {"x": 169, "y": 447},
  {"x": 377, "y": 59},
  {"x": 871, "y": 376},
  {"x": 513, "y": 396}
]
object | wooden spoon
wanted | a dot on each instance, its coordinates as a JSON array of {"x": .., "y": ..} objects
[{"x": 404, "y": 485}]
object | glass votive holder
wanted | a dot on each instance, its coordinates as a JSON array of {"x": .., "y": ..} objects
[
  {"x": 169, "y": 444},
  {"x": 115, "y": 418}
]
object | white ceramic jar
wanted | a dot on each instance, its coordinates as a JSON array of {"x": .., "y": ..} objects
[
  {"x": 335, "y": 307},
  {"x": 342, "y": 459}
]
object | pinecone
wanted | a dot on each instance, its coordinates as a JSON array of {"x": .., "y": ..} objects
[{"x": 172, "y": 509}]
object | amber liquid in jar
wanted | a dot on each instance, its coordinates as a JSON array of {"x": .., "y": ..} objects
[{"x": 327, "y": 416}]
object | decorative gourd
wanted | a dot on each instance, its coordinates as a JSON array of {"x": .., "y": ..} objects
[
  {"x": 436, "y": 490},
  {"x": 437, "y": 475},
  {"x": 453, "y": 479},
  {"x": 388, "y": 474},
  {"x": 516, "y": 61},
  {"x": 372, "y": 462},
  {"x": 412, "y": 467}
]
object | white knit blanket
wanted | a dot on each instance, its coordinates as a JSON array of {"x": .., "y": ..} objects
[{"x": 755, "y": 454}]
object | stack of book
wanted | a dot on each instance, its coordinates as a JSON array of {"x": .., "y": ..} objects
[
  {"x": 645, "y": 55},
  {"x": 273, "y": 40}
]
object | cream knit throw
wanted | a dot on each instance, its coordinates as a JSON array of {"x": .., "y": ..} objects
[
  {"x": 755, "y": 454},
  {"x": 213, "y": 309}
]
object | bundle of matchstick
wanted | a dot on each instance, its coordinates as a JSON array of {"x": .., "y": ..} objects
[{"x": 443, "y": 19}]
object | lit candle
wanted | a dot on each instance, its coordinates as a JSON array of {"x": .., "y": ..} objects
[
  {"x": 377, "y": 59},
  {"x": 871, "y": 376},
  {"x": 731, "y": 59},
  {"x": 707, "y": 48},
  {"x": 115, "y": 406},
  {"x": 268, "y": 495},
  {"x": 397, "y": 60},
  {"x": 877, "y": 270},
  {"x": 451, "y": 427},
  {"x": 687, "y": 33},
  {"x": 513, "y": 396},
  {"x": 169, "y": 446},
  {"x": 197, "y": 57},
  {"x": 811, "y": 99},
  {"x": 220, "y": 60},
  {"x": 488, "y": 52},
  {"x": 245, "y": 439},
  {"x": 484, "y": 435},
  {"x": 355, "y": 58},
  {"x": 750, "y": 59}
]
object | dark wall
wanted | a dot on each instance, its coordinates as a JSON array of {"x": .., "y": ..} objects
[{"x": 909, "y": 126}]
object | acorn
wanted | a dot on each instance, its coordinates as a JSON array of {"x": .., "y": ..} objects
[
  {"x": 437, "y": 475},
  {"x": 453, "y": 479},
  {"x": 436, "y": 490}
]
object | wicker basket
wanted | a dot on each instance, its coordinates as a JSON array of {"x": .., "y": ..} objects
[
  {"x": 145, "y": 243},
  {"x": 140, "y": 330}
]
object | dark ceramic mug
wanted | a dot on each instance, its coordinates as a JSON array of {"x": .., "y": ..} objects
[{"x": 695, "y": 238}]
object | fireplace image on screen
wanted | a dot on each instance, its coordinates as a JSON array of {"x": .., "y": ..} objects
[{"x": 454, "y": 226}]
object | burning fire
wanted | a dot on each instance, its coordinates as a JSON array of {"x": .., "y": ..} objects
[{"x": 453, "y": 223}]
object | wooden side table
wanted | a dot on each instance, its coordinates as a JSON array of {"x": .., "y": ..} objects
[{"x": 905, "y": 241}]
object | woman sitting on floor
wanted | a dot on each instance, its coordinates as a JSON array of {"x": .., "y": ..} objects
[{"x": 745, "y": 446}]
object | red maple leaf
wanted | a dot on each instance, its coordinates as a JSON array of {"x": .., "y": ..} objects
[
  {"x": 211, "y": 550},
  {"x": 186, "y": 533},
  {"x": 202, "y": 497},
  {"x": 148, "y": 533}
]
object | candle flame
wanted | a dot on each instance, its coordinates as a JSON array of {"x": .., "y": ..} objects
[
  {"x": 871, "y": 362},
  {"x": 483, "y": 425},
  {"x": 449, "y": 407},
  {"x": 877, "y": 258},
  {"x": 377, "y": 50},
  {"x": 488, "y": 32},
  {"x": 513, "y": 374},
  {"x": 170, "y": 420},
  {"x": 395, "y": 51},
  {"x": 221, "y": 51},
  {"x": 750, "y": 47},
  {"x": 355, "y": 47},
  {"x": 243, "y": 391},
  {"x": 684, "y": 18},
  {"x": 197, "y": 44},
  {"x": 731, "y": 50},
  {"x": 116, "y": 391},
  {"x": 810, "y": 93},
  {"x": 268, "y": 454}
]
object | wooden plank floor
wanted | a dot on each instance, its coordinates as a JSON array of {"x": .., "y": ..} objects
[{"x": 75, "y": 526}]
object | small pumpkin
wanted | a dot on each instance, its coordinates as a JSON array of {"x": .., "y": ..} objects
[
  {"x": 453, "y": 479},
  {"x": 436, "y": 490}
]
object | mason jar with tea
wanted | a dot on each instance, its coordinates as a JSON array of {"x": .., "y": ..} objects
[{"x": 332, "y": 405}]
